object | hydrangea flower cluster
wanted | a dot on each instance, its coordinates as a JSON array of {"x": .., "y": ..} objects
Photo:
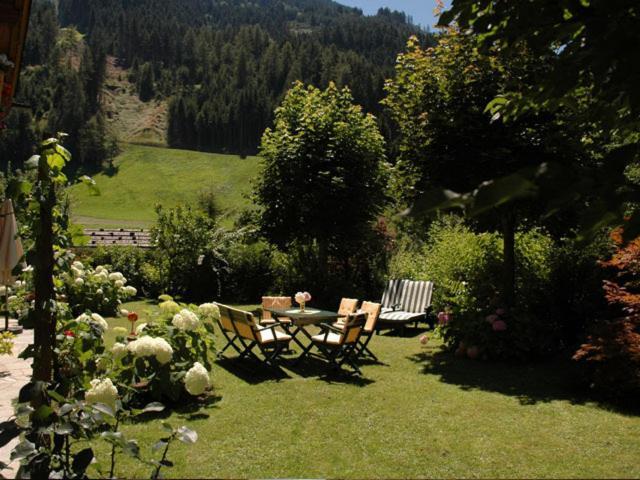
[
  {"x": 93, "y": 318},
  {"x": 169, "y": 307},
  {"x": 119, "y": 351},
  {"x": 102, "y": 391},
  {"x": 185, "y": 320},
  {"x": 151, "y": 347},
  {"x": 98, "y": 290},
  {"x": 196, "y": 381},
  {"x": 209, "y": 311},
  {"x": 498, "y": 324}
]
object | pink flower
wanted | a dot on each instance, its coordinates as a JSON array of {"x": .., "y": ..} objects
[
  {"x": 307, "y": 296},
  {"x": 492, "y": 318},
  {"x": 501, "y": 311},
  {"x": 424, "y": 339},
  {"x": 444, "y": 318},
  {"x": 499, "y": 326}
]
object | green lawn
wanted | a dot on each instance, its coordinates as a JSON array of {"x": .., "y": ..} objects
[
  {"x": 421, "y": 413},
  {"x": 146, "y": 176}
]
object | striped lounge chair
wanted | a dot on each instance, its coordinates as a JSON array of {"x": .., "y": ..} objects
[{"x": 404, "y": 301}]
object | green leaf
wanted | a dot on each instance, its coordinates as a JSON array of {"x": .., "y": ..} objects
[
  {"x": 131, "y": 448},
  {"x": 153, "y": 407},
  {"x": 31, "y": 391},
  {"x": 56, "y": 396},
  {"x": 43, "y": 412},
  {"x": 82, "y": 460},
  {"x": 495, "y": 193},
  {"x": 106, "y": 409},
  {"x": 22, "y": 450},
  {"x": 186, "y": 435},
  {"x": 91, "y": 184},
  {"x": 64, "y": 428},
  {"x": 55, "y": 161},
  {"x": 32, "y": 163},
  {"x": 158, "y": 445}
]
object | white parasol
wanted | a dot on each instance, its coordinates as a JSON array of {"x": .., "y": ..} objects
[{"x": 10, "y": 249}]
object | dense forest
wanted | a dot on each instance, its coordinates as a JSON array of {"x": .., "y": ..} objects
[{"x": 222, "y": 66}]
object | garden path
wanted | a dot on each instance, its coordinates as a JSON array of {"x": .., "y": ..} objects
[{"x": 14, "y": 373}]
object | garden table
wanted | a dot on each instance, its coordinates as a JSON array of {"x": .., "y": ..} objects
[{"x": 300, "y": 320}]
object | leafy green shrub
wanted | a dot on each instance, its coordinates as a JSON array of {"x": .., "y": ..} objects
[
  {"x": 96, "y": 290},
  {"x": 191, "y": 252},
  {"x": 138, "y": 265},
  {"x": 251, "y": 271},
  {"x": 466, "y": 268}
]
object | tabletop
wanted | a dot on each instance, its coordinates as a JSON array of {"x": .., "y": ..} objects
[{"x": 308, "y": 317}]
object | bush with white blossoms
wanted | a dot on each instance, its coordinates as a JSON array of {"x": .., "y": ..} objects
[
  {"x": 96, "y": 289},
  {"x": 149, "y": 346},
  {"x": 185, "y": 320},
  {"x": 166, "y": 350},
  {"x": 196, "y": 381},
  {"x": 209, "y": 311},
  {"x": 102, "y": 391}
]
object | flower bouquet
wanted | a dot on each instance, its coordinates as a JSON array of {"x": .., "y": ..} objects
[{"x": 302, "y": 298}]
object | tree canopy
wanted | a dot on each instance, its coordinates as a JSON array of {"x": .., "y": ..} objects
[{"x": 324, "y": 168}]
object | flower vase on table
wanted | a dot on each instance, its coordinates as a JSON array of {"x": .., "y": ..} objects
[{"x": 302, "y": 298}]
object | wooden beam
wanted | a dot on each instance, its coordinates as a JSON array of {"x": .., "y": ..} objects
[{"x": 14, "y": 22}]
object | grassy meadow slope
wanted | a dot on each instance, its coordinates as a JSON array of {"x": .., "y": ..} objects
[{"x": 148, "y": 175}]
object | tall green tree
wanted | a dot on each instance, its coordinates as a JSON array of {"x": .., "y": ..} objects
[
  {"x": 324, "y": 173},
  {"x": 593, "y": 62},
  {"x": 438, "y": 99}
]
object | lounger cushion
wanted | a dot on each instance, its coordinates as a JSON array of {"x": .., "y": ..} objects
[
  {"x": 266, "y": 336},
  {"x": 400, "y": 316},
  {"x": 332, "y": 338}
]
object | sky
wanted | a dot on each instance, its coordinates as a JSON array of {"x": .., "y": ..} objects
[{"x": 420, "y": 10}]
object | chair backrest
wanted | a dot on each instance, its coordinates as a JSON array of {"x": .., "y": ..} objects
[
  {"x": 240, "y": 322},
  {"x": 274, "y": 302},
  {"x": 373, "y": 312},
  {"x": 391, "y": 294},
  {"x": 347, "y": 306},
  {"x": 353, "y": 328},
  {"x": 415, "y": 296}
]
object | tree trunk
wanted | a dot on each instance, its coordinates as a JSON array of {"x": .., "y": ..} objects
[
  {"x": 45, "y": 319},
  {"x": 508, "y": 259}
]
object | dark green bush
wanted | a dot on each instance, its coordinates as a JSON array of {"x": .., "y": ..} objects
[
  {"x": 138, "y": 265},
  {"x": 251, "y": 272},
  {"x": 466, "y": 268}
]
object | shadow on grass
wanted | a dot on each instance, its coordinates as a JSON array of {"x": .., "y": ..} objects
[
  {"x": 531, "y": 383},
  {"x": 406, "y": 332},
  {"x": 188, "y": 411},
  {"x": 313, "y": 366},
  {"x": 251, "y": 371}
]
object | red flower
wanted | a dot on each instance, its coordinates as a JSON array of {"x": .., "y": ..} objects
[
  {"x": 133, "y": 316},
  {"x": 69, "y": 333}
]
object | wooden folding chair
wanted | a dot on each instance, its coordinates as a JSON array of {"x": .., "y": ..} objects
[
  {"x": 373, "y": 312},
  {"x": 338, "y": 344},
  {"x": 347, "y": 306},
  {"x": 275, "y": 302},
  {"x": 249, "y": 335}
]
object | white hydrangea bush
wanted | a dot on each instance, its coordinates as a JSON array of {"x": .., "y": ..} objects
[
  {"x": 97, "y": 290},
  {"x": 169, "y": 357}
]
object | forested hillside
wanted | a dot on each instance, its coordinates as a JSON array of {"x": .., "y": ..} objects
[{"x": 222, "y": 66}]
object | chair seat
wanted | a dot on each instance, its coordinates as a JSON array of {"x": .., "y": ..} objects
[
  {"x": 399, "y": 316},
  {"x": 332, "y": 338},
  {"x": 266, "y": 336},
  {"x": 386, "y": 309}
]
